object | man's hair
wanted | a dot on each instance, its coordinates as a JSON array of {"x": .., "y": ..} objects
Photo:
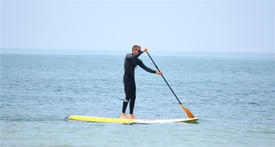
[{"x": 136, "y": 47}]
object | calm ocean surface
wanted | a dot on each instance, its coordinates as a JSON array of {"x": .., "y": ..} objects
[{"x": 232, "y": 95}]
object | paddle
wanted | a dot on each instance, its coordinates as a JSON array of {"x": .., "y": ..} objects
[{"x": 189, "y": 114}]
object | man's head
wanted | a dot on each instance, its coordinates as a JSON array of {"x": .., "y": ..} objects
[{"x": 136, "y": 49}]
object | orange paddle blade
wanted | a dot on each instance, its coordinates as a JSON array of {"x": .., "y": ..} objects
[{"x": 189, "y": 114}]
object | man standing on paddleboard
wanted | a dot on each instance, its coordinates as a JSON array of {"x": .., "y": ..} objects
[{"x": 130, "y": 63}]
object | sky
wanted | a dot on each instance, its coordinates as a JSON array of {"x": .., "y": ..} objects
[{"x": 160, "y": 25}]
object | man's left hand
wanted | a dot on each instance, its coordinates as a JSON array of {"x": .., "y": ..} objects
[{"x": 159, "y": 73}]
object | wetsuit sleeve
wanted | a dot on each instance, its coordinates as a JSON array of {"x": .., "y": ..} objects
[
  {"x": 131, "y": 56},
  {"x": 140, "y": 63}
]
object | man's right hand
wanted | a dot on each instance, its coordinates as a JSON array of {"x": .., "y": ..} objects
[{"x": 145, "y": 50}]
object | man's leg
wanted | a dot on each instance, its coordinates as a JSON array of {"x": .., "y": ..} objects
[
  {"x": 127, "y": 90},
  {"x": 132, "y": 105},
  {"x": 124, "y": 106},
  {"x": 132, "y": 101},
  {"x": 125, "y": 103}
]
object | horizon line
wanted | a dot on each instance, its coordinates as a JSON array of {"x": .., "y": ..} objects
[{"x": 123, "y": 52}]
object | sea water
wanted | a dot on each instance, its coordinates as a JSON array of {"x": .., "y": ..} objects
[{"x": 232, "y": 95}]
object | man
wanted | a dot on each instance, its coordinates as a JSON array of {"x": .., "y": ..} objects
[{"x": 130, "y": 63}]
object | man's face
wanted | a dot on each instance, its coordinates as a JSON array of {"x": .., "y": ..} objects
[{"x": 136, "y": 50}]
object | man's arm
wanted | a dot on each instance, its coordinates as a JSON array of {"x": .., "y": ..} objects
[
  {"x": 140, "y": 63},
  {"x": 131, "y": 56}
]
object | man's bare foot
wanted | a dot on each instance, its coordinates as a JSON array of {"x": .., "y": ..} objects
[
  {"x": 123, "y": 116},
  {"x": 131, "y": 116}
]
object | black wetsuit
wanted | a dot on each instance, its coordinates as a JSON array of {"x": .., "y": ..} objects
[{"x": 130, "y": 63}]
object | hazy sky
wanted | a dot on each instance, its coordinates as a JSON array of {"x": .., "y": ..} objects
[{"x": 115, "y": 25}]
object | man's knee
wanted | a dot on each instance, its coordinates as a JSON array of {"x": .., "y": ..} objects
[
  {"x": 126, "y": 100},
  {"x": 133, "y": 99}
]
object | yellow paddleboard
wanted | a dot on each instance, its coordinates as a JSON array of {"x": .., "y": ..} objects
[{"x": 129, "y": 121}]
